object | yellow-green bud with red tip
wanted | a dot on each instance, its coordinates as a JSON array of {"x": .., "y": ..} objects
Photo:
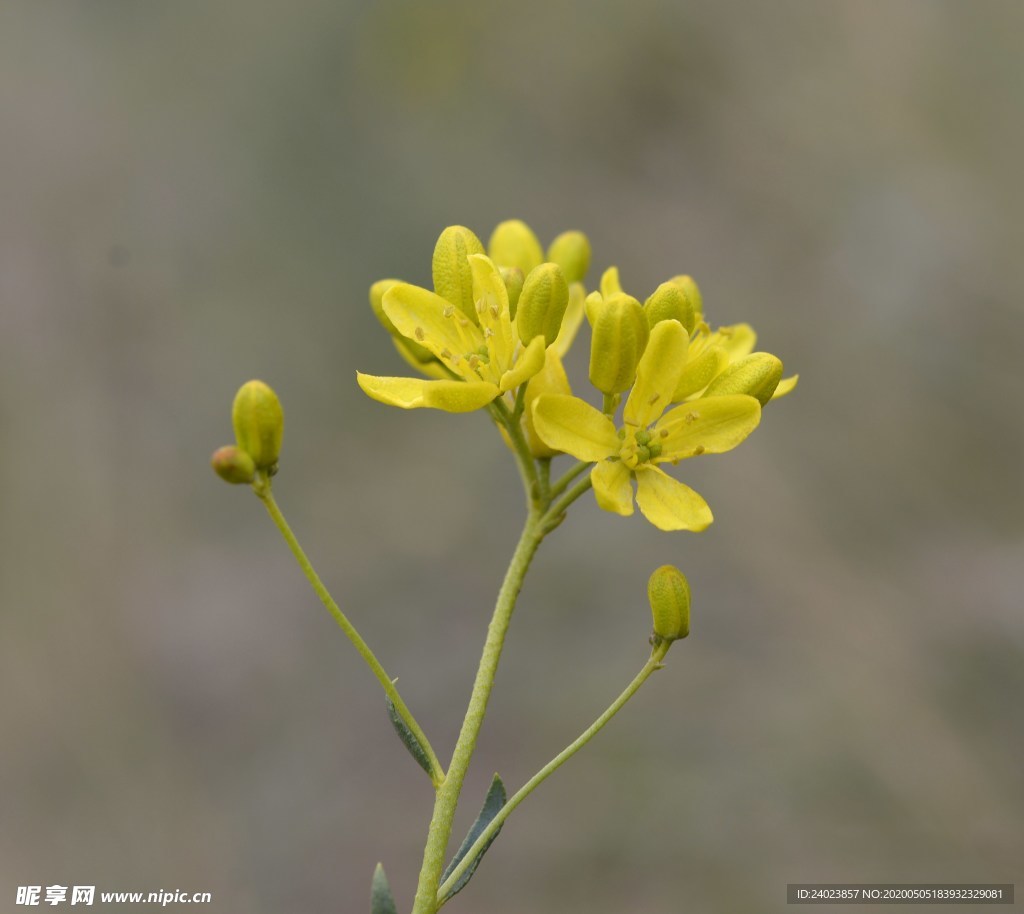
[
  {"x": 259, "y": 423},
  {"x": 233, "y": 465},
  {"x": 668, "y": 592}
]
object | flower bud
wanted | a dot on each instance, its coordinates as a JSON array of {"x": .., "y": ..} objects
[
  {"x": 453, "y": 279},
  {"x": 513, "y": 244},
  {"x": 756, "y": 375},
  {"x": 513, "y": 279},
  {"x": 687, "y": 284},
  {"x": 668, "y": 592},
  {"x": 259, "y": 423},
  {"x": 233, "y": 465},
  {"x": 542, "y": 303},
  {"x": 618, "y": 340},
  {"x": 571, "y": 251},
  {"x": 670, "y": 302}
]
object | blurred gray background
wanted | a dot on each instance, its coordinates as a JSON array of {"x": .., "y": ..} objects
[{"x": 194, "y": 194}]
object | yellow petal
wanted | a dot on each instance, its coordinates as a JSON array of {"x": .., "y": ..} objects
[
  {"x": 428, "y": 366},
  {"x": 529, "y": 361},
  {"x": 786, "y": 385},
  {"x": 414, "y": 393},
  {"x": 491, "y": 296},
  {"x": 667, "y": 503},
  {"x": 513, "y": 244},
  {"x": 613, "y": 488},
  {"x": 571, "y": 321},
  {"x": 568, "y": 424},
  {"x": 709, "y": 425},
  {"x": 737, "y": 340},
  {"x": 610, "y": 284},
  {"x": 433, "y": 322},
  {"x": 551, "y": 379},
  {"x": 657, "y": 374}
]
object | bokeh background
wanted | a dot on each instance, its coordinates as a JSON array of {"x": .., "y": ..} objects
[{"x": 194, "y": 194}]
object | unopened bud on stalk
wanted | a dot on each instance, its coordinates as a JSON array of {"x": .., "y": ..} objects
[
  {"x": 542, "y": 304},
  {"x": 669, "y": 595},
  {"x": 618, "y": 340},
  {"x": 571, "y": 251},
  {"x": 687, "y": 284},
  {"x": 453, "y": 278},
  {"x": 259, "y": 423},
  {"x": 513, "y": 244},
  {"x": 233, "y": 465},
  {"x": 756, "y": 375},
  {"x": 670, "y": 302}
]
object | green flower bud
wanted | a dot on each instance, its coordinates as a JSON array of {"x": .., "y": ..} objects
[
  {"x": 259, "y": 423},
  {"x": 542, "y": 304},
  {"x": 513, "y": 278},
  {"x": 668, "y": 592},
  {"x": 571, "y": 251},
  {"x": 687, "y": 284},
  {"x": 233, "y": 465},
  {"x": 513, "y": 244},
  {"x": 756, "y": 375},
  {"x": 618, "y": 340},
  {"x": 670, "y": 302},
  {"x": 453, "y": 278}
]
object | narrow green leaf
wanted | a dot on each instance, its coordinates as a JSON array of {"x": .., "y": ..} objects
[
  {"x": 381, "y": 900},
  {"x": 408, "y": 738},
  {"x": 493, "y": 802}
]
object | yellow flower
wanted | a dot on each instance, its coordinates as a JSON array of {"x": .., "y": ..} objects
[
  {"x": 649, "y": 436},
  {"x": 466, "y": 335},
  {"x": 483, "y": 357}
]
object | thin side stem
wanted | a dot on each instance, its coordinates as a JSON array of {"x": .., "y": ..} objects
[
  {"x": 263, "y": 492},
  {"x": 448, "y": 796},
  {"x": 652, "y": 665},
  {"x": 559, "y": 487},
  {"x": 553, "y": 515}
]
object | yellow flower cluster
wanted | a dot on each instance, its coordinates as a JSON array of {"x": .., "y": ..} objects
[{"x": 498, "y": 324}]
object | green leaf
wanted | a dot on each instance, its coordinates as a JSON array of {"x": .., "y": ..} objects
[
  {"x": 408, "y": 738},
  {"x": 381, "y": 900},
  {"x": 493, "y": 802}
]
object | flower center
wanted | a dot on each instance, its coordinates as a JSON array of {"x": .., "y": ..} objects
[{"x": 638, "y": 446}]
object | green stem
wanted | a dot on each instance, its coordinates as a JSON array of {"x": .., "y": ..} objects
[
  {"x": 554, "y": 514},
  {"x": 448, "y": 796},
  {"x": 262, "y": 490},
  {"x": 559, "y": 487},
  {"x": 653, "y": 664},
  {"x": 527, "y": 467}
]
